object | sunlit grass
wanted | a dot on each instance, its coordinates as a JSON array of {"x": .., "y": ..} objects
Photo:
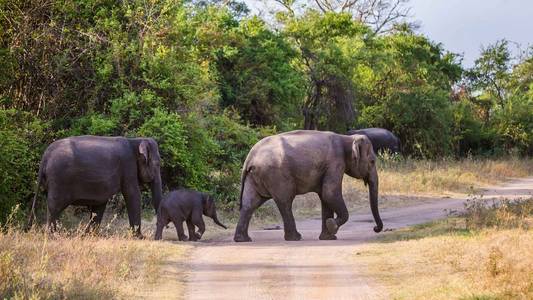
[
  {"x": 483, "y": 255},
  {"x": 409, "y": 176},
  {"x": 69, "y": 265}
]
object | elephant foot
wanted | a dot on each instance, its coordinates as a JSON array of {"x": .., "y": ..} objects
[
  {"x": 327, "y": 236},
  {"x": 296, "y": 236},
  {"x": 195, "y": 237},
  {"x": 183, "y": 238},
  {"x": 332, "y": 226},
  {"x": 241, "y": 238}
]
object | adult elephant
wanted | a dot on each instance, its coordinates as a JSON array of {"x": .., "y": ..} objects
[
  {"x": 88, "y": 170},
  {"x": 297, "y": 162},
  {"x": 381, "y": 139}
]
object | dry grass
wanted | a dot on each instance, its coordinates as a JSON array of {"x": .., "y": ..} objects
[
  {"x": 67, "y": 265},
  {"x": 408, "y": 176},
  {"x": 486, "y": 254}
]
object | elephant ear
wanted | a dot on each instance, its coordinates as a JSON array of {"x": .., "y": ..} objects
[
  {"x": 356, "y": 145},
  {"x": 144, "y": 163},
  {"x": 143, "y": 151},
  {"x": 361, "y": 147}
]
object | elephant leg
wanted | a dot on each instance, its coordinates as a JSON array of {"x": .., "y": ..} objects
[
  {"x": 97, "y": 213},
  {"x": 327, "y": 213},
  {"x": 251, "y": 200},
  {"x": 179, "y": 229},
  {"x": 55, "y": 207},
  {"x": 332, "y": 197},
  {"x": 162, "y": 221},
  {"x": 193, "y": 236},
  {"x": 132, "y": 195},
  {"x": 51, "y": 219},
  {"x": 289, "y": 226},
  {"x": 159, "y": 231},
  {"x": 198, "y": 220}
]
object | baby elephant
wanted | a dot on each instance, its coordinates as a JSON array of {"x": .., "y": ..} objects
[{"x": 186, "y": 205}]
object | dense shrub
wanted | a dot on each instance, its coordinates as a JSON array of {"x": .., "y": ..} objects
[
  {"x": 21, "y": 137},
  {"x": 207, "y": 81}
]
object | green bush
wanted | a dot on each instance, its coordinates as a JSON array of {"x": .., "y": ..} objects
[
  {"x": 514, "y": 125},
  {"x": 470, "y": 135},
  {"x": 234, "y": 141},
  {"x": 21, "y": 145}
]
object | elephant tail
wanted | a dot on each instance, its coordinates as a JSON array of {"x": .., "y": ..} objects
[
  {"x": 244, "y": 173},
  {"x": 40, "y": 179}
]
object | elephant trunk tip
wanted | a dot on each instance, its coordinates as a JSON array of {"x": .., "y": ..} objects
[{"x": 378, "y": 228}]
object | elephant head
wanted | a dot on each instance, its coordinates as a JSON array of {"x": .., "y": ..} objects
[
  {"x": 210, "y": 210},
  {"x": 148, "y": 164},
  {"x": 362, "y": 165}
]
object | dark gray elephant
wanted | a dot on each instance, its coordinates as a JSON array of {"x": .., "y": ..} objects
[
  {"x": 186, "y": 206},
  {"x": 381, "y": 139},
  {"x": 88, "y": 170},
  {"x": 297, "y": 162}
]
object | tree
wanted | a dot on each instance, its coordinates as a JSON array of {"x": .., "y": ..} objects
[
  {"x": 491, "y": 72},
  {"x": 257, "y": 76},
  {"x": 331, "y": 47},
  {"x": 380, "y": 15},
  {"x": 407, "y": 90}
]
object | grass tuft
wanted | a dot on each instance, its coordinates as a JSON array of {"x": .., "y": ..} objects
[
  {"x": 410, "y": 176},
  {"x": 38, "y": 265},
  {"x": 485, "y": 254}
]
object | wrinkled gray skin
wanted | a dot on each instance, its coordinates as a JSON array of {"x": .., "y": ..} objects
[
  {"x": 381, "y": 139},
  {"x": 89, "y": 170},
  {"x": 297, "y": 162},
  {"x": 186, "y": 206}
]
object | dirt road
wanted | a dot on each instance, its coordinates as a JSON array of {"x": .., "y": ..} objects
[{"x": 271, "y": 268}]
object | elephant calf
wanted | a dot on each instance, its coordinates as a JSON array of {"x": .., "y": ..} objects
[{"x": 186, "y": 205}]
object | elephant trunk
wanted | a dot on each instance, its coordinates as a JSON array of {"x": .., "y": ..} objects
[
  {"x": 373, "y": 184},
  {"x": 156, "y": 191},
  {"x": 215, "y": 219}
]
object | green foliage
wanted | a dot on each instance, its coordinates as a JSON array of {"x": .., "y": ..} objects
[
  {"x": 514, "y": 125},
  {"x": 469, "y": 133},
  {"x": 502, "y": 92},
  {"x": 408, "y": 93},
  {"x": 332, "y": 48},
  {"x": 234, "y": 140},
  {"x": 207, "y": 82},
  {"x": 19, "y": 159},
  {"x": 491, "y": 71},
  {"x": 258, "y": 78}
]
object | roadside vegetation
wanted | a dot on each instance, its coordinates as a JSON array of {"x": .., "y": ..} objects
[
  {"x": 409, "y": 176},
  {"x": 483, "y": 254},
  {"x": 71, "y": 265},
  {"x": 207, "y": 79}
]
